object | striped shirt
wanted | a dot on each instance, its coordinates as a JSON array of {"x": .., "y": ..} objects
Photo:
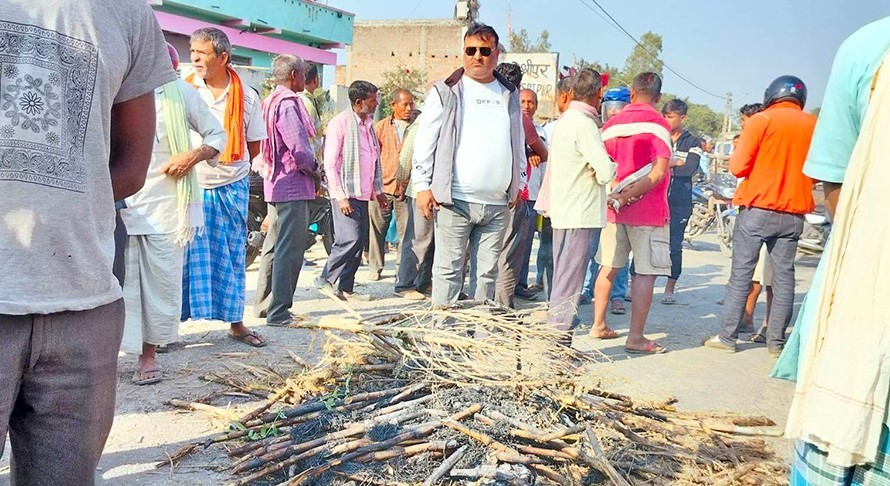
[{"x": 634, "y": 137}]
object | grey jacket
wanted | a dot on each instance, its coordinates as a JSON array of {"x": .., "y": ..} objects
[{"x": 449, "y": 92}]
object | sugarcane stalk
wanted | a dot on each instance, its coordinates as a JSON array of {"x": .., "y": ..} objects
[
  {"x": 605, "y": 465},
  {"x": 286, "y": 451},
  {"x": 446, "y": 466},
  {"x": 320, "y": 405},
  {"x": 551, "y": 474},
  {"x": 266, "y": 405},
  {"x": 408, "y": 451},
  {"x": 279, "y": 466},
  {"x": 418, "y": 432}
]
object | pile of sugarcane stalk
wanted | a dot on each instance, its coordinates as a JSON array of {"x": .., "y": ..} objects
[{"x": 397, "y": 406}]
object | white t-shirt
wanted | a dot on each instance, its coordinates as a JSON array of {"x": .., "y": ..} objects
[
  {"x": 63, "y": 64},
  {"x": 483, "y": 162},
  {"x": 153, "y": 210},
  {"x": 254, "y": 129}
]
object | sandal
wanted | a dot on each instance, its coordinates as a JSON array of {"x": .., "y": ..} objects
[
  {"x": 250, "y": 338},
  {"x": 758, "y": 338},
  {"x": 618, "y": 307},
  {"x": 668, "y": 299},
  {"x": 147, "y": 377},
  {"x": 606, "y": 335},
  {"x": 651, "y": 348}
]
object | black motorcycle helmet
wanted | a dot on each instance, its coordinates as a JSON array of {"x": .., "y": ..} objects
[{"x": 786, "y": 88}]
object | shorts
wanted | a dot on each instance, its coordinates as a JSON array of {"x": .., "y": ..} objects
[
  {"x": 650, "y": 246},
  {"x": 763, "y": 272}
]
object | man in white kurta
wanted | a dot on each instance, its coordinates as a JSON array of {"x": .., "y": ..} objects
[{"x": 154, "y": 259}]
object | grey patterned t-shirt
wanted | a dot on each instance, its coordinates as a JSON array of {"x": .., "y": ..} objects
[{"x": 63, "y": 64}]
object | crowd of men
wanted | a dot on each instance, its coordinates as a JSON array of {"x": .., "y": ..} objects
[{"x": 469, "y": 181}]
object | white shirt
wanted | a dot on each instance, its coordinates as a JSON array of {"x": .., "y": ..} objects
[
  {"x": 483, "y": 160},
  {"x": 536, "y": 176},
  {"x": 254, "y": 128},
  {"x": 152, "y": 210}
]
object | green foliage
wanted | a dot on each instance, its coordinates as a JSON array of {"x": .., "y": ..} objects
[
  {"x": 520, "y": 42},
  {"x": 641, "y": 59},
  {"x": 614, "y": 72},
  {"x": 701, "y": 119},
  {"x": 401, "y": 78}
]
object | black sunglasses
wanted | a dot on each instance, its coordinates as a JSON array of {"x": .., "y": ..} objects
[{"x": 471, "y": 51}]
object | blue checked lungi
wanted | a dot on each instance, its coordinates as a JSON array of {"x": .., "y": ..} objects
[
  {"x": 810, "y": 468},
  {"x": 213, "y": 280}
]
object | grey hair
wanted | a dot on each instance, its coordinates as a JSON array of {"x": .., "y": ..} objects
[
  {"x": 219, "y": 39},
  {"x": 284, "y": 65}
]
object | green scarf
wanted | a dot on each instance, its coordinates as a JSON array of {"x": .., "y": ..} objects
[{"x": 189, "y": 204}]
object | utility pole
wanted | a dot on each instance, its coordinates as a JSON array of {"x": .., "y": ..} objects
[
  {"x": 722, "y": 159},
  {"x": 509, "y": 27},
  {"x": 727, "y": 116}
]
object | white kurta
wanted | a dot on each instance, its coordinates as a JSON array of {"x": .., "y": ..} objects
[{"x": 153, "y": 259}]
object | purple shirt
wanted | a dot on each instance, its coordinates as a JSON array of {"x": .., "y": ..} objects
[
  {"x": 294, "y": 149},
  {"x": 333, "y": 156}
]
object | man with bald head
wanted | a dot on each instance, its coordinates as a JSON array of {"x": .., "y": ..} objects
[
  {"x": 528, "y": 101},
  {"x": 390, "y": 134}
]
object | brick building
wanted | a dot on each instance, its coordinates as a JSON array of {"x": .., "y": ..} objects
[{"x": 380, "y": 46}]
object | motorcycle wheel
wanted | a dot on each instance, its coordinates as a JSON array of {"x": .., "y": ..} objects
[
  {"x": 725, "y": 237},
  {"x": 254, "y": 222},
  {"x": 699, "y": 222}
]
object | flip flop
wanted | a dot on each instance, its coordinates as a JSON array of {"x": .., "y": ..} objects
[
  {"x": 618, "y": 307},
  {"x": 668, "y": 299},
  {"x": 151, "y": 380},
  {"x": 261, "y": 341},
  {"x": 609, "y": 334},
  {"x": 651, "y": 348}
]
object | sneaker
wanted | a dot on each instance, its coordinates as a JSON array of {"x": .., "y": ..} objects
[
  {"x": 775, "y": 353},
  {"x": 285, "y": 323},
  {"x": 717, "y": 343},
  {"x": 411, "y": 295}
]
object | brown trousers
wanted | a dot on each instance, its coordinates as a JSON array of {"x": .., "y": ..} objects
[{"x": 57, "y": 391}]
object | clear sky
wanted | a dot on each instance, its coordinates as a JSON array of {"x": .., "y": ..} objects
[{"x": 735, "y": 46}]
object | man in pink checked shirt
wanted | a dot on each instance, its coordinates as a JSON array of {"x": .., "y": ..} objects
[
  {"x": 289, "y": 170},
  {"x": 352, "y": 167}
]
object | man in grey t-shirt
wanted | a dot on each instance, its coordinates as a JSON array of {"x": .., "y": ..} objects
[{"x": 77, "y": 80}]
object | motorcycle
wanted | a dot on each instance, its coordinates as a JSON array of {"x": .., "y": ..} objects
[
  {"x": 712, "y": 207},
  {"x": 816, "y": 228},
  {"x": 321, "y": 222}
]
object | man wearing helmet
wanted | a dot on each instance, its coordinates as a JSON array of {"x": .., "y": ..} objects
[{"x": 772, "y": 201}]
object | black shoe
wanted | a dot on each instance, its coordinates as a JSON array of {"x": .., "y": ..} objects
[
  {"x": 309, "y": 263},
  {"x": 525, "y": 294}
]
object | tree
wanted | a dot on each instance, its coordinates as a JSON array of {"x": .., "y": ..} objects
[
  {"x": 644, "y": 58},
  {"x": 613, "y": 72},
  {"x": 520, "y": 42},
  {"x": 401, "y": 78}
]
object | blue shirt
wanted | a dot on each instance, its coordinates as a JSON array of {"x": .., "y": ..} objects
[{"x": 846, "y": 100}]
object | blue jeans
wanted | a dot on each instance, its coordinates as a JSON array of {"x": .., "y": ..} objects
[{"x": 619, "y": 287}]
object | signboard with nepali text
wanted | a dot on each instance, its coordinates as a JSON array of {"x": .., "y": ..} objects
[{"x": 540, "y": 73}]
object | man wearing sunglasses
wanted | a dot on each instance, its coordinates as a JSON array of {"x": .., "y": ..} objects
[{"x": 469, "y": 166}]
